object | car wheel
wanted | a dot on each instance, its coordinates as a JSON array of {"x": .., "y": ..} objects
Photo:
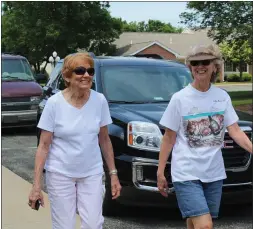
[{"x": 110, "y": 206}]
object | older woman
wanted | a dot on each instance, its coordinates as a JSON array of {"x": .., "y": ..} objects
[
  {"x": 195, "y": 122},
  {"x": 69, "y": 148}
]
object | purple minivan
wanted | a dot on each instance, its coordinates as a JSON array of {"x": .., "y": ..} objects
[{"x": 21, "y": 93}]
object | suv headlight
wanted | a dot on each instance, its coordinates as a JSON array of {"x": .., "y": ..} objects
[
  {"x": 35, "y": 99},
  {"x": 144, "y": 136}
]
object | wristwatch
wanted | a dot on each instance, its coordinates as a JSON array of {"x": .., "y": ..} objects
[{"x": 113, "y": 172}]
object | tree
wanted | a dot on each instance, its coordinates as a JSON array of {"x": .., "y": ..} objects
[
  {"x": 237, "y": 54},
  {"x": 130, "y": 27},
  {"x": 230, "y": 21},
  {"x": 35, "y": 29},
  {"x": 150, "y": 26}
]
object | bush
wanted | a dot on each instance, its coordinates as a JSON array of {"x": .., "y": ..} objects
[
  {"x": 246, "y": 77},
  {"x": 235, "y": 77},
  {"x": 217, "y": 80}
]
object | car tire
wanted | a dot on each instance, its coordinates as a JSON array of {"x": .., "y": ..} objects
[{"x": 110, "y": 206}]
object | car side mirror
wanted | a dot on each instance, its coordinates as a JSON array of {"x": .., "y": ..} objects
[
  {"x": 41, "y": 78},
  {"x": 49, "y": 91}
]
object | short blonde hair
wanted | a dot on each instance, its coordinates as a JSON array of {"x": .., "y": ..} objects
[
  {"x": 203, "y": 52},
  {"x": 70, "y": 63}
]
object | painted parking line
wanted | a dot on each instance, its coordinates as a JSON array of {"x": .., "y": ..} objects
[{"x": 33, "y": 147}]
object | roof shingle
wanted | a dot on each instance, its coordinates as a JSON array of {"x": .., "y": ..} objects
[{"x": 130, "y": 42}]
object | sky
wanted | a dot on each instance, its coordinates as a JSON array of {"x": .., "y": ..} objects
[{"x": 167, "y": 12}]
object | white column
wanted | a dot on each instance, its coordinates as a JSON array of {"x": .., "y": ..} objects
[{"x": 222, "y": 72}]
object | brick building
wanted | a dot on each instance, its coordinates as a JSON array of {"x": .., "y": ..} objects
[{"x": 170, "y": 46}]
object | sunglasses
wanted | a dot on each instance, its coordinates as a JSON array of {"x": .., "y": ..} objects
[
  {"x": 83, "y": 70},
  {"x": 200, "y": 62}
]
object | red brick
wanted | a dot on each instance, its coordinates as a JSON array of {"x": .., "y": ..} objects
[{"x": 156, "y": 49}]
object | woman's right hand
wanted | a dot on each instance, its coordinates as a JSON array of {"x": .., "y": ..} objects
[
  {"x": 35, "y": 194},
  {"x": 162, "y": 184}
]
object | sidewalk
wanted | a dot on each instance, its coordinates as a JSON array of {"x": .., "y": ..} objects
[
  {"x": 234, "y": 84},
  {"x": 15, "y": 210}
]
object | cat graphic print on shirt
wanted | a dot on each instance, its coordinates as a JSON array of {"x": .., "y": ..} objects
[{"x": 206, "y": 129}]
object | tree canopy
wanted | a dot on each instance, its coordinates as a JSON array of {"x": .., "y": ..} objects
[
  {"x": 150, "y": 26},
  {"x": 35, "y": 29},
  {"x": 229, "y": 21}
]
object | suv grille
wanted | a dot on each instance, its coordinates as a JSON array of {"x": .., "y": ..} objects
[
  {"x": 16, "y": 104},
  {"x": 15, "y": 99},
  {"x": 16, "y": 108},
  {"x": 236, "y": 156}
]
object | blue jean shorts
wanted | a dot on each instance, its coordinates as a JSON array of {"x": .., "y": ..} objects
[{"x": 196, "y": 198}]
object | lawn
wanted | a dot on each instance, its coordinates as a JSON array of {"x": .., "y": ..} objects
[{"x": 241, "y": 97}]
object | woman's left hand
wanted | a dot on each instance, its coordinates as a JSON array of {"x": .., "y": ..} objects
[{"x": 115, "y": 186}]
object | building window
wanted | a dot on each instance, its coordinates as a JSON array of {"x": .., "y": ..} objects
[
  {"x": 234, "y": 67},
  {"x": 228, "y": 66}
]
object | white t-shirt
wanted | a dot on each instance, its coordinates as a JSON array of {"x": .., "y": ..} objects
[
  {"x": 200, "y": 120},
  {"x": 74, "y": 151}
]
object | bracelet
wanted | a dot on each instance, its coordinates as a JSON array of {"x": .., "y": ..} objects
[{"x": 113, "y": 172}]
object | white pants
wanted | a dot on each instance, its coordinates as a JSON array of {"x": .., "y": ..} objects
[{"x": 67, "y": 194}]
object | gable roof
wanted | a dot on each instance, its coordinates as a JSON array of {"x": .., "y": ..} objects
[
  {"x": 130, "y": 43},
  {"x": 156, "y": 43}
]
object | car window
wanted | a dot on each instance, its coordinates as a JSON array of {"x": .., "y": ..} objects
[
  {"x": 143, "y": 83},
  {"x": 16, "y": 69}
]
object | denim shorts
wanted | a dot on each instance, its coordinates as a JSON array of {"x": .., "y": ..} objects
[{"x": 196, "y": 198}]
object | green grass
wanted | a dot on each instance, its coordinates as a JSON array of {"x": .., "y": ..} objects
[
  {"x": 241, "y": 97},
  {"x": 241, "y": 102}
]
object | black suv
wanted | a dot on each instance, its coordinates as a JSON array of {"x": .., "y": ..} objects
[{"x": 138, "y": 91}]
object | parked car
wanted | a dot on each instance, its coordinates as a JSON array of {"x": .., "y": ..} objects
[
  {"x": 138, "y": 91},
  {"x": 21, "y": 93}
]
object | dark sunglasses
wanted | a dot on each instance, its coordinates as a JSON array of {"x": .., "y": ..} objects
[
  {"x": 83, "y": 70},
  {"x": 200, "y": 62}
]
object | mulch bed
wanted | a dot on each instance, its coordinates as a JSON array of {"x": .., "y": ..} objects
[{"x": 247, "y": 108}]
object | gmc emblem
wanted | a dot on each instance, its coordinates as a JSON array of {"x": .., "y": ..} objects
[{"x": 228, "y": 144}]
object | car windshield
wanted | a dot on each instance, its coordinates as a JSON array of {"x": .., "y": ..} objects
[
  {"x": 16, "y": 69},
  {"x": 136, "y": 84}
]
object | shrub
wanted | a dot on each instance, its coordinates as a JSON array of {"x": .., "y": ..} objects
[
  {"x": 235, "y": 77},
  {"x": 246, "y": 76},
  {"x": 217, "y": 80}
]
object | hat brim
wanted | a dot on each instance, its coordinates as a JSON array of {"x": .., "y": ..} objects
[{"x": 201, "y": 57}]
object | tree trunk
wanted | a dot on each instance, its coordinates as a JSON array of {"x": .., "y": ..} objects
[
  {"x": 36, "y": 67},
  {"x": 44, "y": 68}
]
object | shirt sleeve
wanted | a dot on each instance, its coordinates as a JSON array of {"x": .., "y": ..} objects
[
  {"x": 172, "y": 117},
  {"x": 105, "y": 113},
  {"x": 47, "y": 119},
  {"x": 230, "y": 114}
]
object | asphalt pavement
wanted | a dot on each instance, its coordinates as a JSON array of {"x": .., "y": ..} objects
[{"x": 18, "y": 153}]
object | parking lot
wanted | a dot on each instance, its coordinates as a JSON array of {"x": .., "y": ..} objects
[{"x": 18, "y": 151}]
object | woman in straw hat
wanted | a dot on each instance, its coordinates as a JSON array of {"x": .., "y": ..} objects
[{"x": 195, "y": 121}]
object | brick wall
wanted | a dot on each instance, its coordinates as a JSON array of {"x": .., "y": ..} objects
[{"x": 156, "y": 49}]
